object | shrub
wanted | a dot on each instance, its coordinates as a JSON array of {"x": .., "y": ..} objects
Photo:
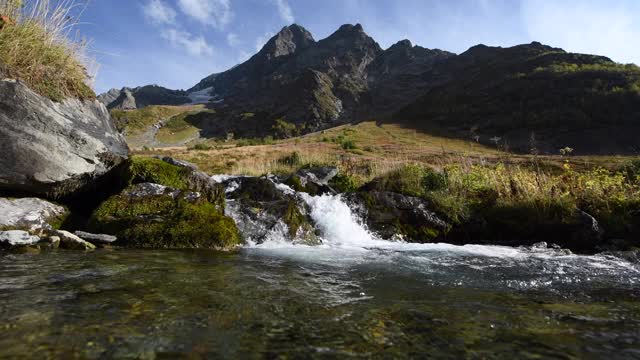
[
  {"x": 293, "y": 159},
  {"x": 37, "y": 49},
  {"x": 284, "y": 129},
  {"x": 413, "y": 180},
  {"x": 344, "y": 183},
  {"x": 348, "y": 144}
]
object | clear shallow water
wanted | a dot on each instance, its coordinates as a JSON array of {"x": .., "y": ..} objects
[
  {"x": 353, "y": 296},
  {"x": 393, "y": 301}
]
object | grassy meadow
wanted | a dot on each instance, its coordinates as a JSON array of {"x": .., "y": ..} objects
[{"x": 461, "y": 179}]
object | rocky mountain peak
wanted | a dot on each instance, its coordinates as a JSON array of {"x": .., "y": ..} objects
[
  {"x": 289, "y": 40},
  {"x": 402, "y": 44},
  {"x": 347, "y": 31}
]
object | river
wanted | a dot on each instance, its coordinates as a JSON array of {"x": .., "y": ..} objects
[{"x": 352, "y": 296}]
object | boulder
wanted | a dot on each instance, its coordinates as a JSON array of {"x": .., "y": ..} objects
[
  {"x": 390, "y": 215},
  {"x": 96, "y": 238},
  {"x": 314, "y": 181},
  {"x": 151, "y": 215},
  {"x": 70, "y": 241},
  {"x": 17, "y": 238},
  {"x": 151, "y": 170},
  {"x": 30, "y": 214},
  {"x": 263, "y": 210},
  {"x": 54, "y": 149}
]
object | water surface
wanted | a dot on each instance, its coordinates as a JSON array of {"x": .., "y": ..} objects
[{"x": 384, "y": 300}]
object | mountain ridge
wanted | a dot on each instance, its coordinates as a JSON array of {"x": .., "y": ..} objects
[{"x": 295, "y": 85}]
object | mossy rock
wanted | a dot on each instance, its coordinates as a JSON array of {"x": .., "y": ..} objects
[
  {"x": 151, "y": 170},
  {"x": 391, "y": 214},
  {"x": 527, "y": 222},
  {"x": 295, "y": 182},
  {"x": 169, "y": 218}
]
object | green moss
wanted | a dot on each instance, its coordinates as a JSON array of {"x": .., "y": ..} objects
[
  {"x": 414, "y": 231},
  {"x": 344, "y": 183},
  {"x": 162, "y": 222},
  {"x": 293, "y": 218},
  {"x": 144, "y": 169},
  {"x": 295, "y": 183}
]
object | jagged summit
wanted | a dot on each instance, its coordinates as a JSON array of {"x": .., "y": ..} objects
[
  {"x": 402, "y": 44},
  {"x": 289, "y": 40}
]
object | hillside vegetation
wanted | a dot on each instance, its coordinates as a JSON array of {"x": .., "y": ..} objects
[
  {"x": 533, "y": 96},
  {"x": 157, "y": 125},
  {"x": 490, "y": 193},
  {"x": 36, "y": 47}
]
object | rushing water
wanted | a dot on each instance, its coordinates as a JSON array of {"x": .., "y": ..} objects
[{"x": 353, "y": 296}]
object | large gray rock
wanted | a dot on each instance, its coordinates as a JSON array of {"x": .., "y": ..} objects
[
  {"x": 29, "y": 213},
  {"x": 53, "y": 149}
]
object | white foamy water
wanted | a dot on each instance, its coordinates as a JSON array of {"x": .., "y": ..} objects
[{"x": 347, "y": 242}]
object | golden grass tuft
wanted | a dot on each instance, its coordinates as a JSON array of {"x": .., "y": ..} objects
[{"x": 39, "y": 50}]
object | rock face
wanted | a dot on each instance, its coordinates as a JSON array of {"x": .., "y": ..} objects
[
  {"x": 29, "y": 213},
  {"x": 54, "y": 149}
]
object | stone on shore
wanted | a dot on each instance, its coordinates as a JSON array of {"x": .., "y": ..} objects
[
  {"x": 17, "y": 238},
  {"x": 30, "y": 214},
  {"x": 96, "y": 238},
  {"x": 70, "y": 241}
]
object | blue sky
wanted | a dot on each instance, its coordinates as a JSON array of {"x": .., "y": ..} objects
[{"x": 175, "y": 43}]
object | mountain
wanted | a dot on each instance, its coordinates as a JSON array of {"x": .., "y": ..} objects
[
  {"x": 532, "y": 97},
  {"x": 143, "y": 96},
  {"x": 295, "y": 84},
  {"x": 521, "y": 97}
]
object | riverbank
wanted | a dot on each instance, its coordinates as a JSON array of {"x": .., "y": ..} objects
[{"x": 165, "y": 203}]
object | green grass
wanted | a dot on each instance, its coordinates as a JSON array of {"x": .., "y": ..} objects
[
  {"x": 519, "y": 198},
  {"x": 177, "y": 129},
  {"x": 37, "y": 50}
]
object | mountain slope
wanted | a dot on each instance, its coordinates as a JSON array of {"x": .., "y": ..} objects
[
  {"x": 532, "y": 96},
  {"x": 304, "y": 85},
  {"x": 527, "y": 97}
]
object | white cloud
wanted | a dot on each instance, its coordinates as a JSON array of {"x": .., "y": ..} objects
[
  {"x": 194, "y": 45},
  {"x": 593, "y": 27},
  {"x": 285, "y": 11},
  {"x": 158, "y": 12},
  {"x": 216, "y": 13},
  {"x": 233, "y": 40}
]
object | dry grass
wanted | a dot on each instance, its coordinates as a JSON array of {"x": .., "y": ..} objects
[
  {"x": 39, "y": 50},
  {"x": 378, "y": 150}
]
